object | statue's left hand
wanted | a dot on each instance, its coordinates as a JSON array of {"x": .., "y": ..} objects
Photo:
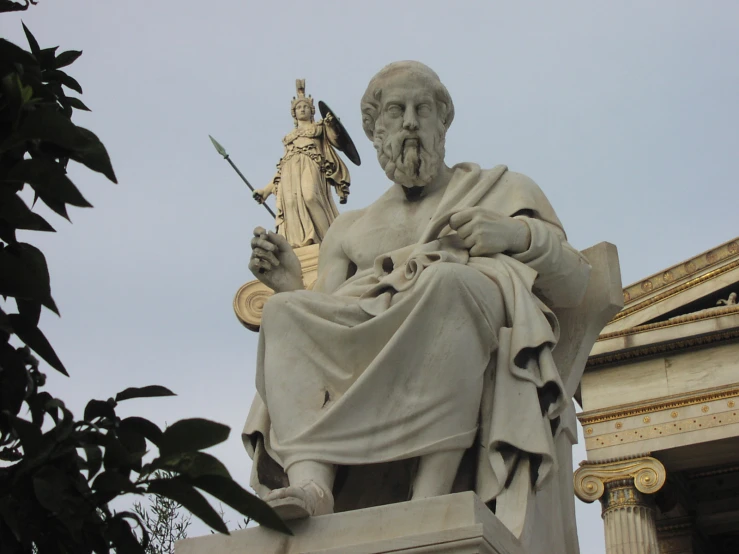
[{"x": 486, "y": 232}]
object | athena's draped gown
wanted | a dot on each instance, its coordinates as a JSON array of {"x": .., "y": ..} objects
[{"x": 305, "y": 175}]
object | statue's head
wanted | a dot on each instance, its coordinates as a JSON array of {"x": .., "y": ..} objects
[
  {"x": 406, "y": 112},
  {"x": 302, "y": 108}
]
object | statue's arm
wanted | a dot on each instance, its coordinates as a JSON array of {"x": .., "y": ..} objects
[
  {"x": 329, "y": 128},
  {"x": 333, "y": 263},
  {"x": 563, "y": 270}
]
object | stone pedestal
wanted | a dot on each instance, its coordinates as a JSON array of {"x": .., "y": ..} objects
[
  {"x": 456, "y": 523},
  {"x": 624, "y": 487}
]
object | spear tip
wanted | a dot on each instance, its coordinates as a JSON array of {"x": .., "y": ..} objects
[{"x": 221, "y": 150}]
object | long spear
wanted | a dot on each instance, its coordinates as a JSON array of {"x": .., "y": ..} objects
[{"x": 222, "y": 151}]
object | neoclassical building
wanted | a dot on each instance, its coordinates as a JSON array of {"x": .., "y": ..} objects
[{"x": 660, "y": 399}]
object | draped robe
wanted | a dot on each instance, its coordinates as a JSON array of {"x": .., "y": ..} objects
[
  {"x": 305, "y": 175},
  {"x": 428, "y": 350}
]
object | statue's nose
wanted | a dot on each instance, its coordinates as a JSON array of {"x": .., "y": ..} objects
[{"x": 410, "y": 123}]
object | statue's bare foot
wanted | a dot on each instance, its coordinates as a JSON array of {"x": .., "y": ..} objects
[{"x": 300, "y": 501}]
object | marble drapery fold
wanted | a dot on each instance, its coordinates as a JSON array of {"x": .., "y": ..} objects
[
  {"x": 442, "y": 351},
  {"x": 305, "y": 174}
]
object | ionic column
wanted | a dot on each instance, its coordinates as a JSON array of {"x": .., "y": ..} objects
[{"x": 624, "y": 487}]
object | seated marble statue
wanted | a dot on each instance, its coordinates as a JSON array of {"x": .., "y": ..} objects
[{"x": 430, "y": 328}]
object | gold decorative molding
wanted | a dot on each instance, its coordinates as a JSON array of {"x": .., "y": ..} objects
[
  {"x": 679, "y": 271},
  {"x": 688, "y": 318},
  {"x": 672, "y": 292},
  {"x": 647, "y": 473},
  {"x": 250, "y": 298},
  {"x": 676, "y": 402},
  {"x": 653, "y": 349}
]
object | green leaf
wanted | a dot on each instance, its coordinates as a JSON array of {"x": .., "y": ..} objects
[
  {"x": 192, "y": 434},
  {"x": 66, "y": 58},
  {"x": 32, "y": 42},
  {"x": 192, "y": 464},
  {"x": 143, "y": 427},
  {"x": 190, "y": 499},
  {"x": 49, "y": 179},
  {"x": 35, "y": 339},
  {"x": 25, "y": 274},
  {"x": 230, "y": 492},
  {"x": 143, "y": 392}
]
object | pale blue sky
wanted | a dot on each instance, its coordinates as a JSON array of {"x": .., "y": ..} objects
[{"x": 625, "y": 113}]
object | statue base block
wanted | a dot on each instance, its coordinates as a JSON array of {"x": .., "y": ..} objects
[{"x": 456, "y": 523}]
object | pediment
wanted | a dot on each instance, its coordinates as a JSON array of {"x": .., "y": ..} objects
[{"x": 681, "y": 304}]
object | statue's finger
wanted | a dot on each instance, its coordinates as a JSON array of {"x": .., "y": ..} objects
[
  {"x": 279, "y": 241},
  {"x": 461, "y": 217},
  {"x": 267, "y": 256},
  {"x": 264, "y": 244},
  {"x": 259, "y": 231},
  {"x": 465, "y": 230}
]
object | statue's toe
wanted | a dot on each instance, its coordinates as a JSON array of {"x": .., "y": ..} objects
[{"x": 301, "y": 501}]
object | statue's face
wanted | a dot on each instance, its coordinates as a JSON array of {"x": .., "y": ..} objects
[
  {"x": 302, "y": 111},
  {"x": 409, "y": 134}
]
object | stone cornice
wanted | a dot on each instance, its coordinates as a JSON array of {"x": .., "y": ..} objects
[{"x": 679, "y": 271}]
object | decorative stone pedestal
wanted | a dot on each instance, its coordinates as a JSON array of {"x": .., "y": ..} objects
[{"x": 456, "y": 523}]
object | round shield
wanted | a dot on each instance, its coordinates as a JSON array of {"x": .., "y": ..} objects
[{"x": 346, "y": 145}]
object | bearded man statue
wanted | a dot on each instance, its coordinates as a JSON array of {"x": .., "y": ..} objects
[{"x": 427, "y": 338}]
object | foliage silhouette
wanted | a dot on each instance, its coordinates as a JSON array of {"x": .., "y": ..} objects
[{"x": 59, "y": 474}]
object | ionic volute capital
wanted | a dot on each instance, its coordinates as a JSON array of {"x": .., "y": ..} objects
[{"x": 648, "y": 475}]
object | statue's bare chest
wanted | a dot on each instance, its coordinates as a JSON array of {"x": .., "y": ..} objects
[{"x": 386, "y": 227}]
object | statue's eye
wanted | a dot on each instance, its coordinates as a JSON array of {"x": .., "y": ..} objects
[
  {"x": 394, "y": 110},
  {"x": 424, "y": 110}
]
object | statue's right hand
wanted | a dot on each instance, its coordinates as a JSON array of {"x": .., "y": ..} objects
[
  {"x": 274, "y": 262},
  {"x": 258, "y": 195}
]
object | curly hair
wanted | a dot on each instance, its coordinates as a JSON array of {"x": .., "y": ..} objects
[{"x": 371, "y": 100}]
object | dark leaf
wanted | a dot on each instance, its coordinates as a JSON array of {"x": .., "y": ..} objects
[
  {"x": 49, "y": 484},
  {"x": 190, "y": 499},
  {"x": 32, "y": 42},
  {"x": 10, "y": 54},
  {"x": 47, "y": 124},
  {"x": 116, "y": 455},
  {"x": 142, "y": 426},
  {"x": 230, "y": 492},
  {"x": 122, "y": 536},
  {"x": 29, "y": 310},
  {"x": 13, "y": 381},
  {"x": 99, "y": 408},
  {"x": 192, "y": 434},
  {"x": 94, "y": 458},
  {"x": 25, "y": 274},
  {"x": 56, "y": 75},
  {"x": 35, "y": 339},
  {"x": 47, "y": 57},
  {"x": 29, "y": 435},
  {"x": 50, "y": 181},
  {"x": 192, "y": 464},
  {"x": 77, "y": 103},
  {"x": 66, "y": 58},
  {"x": 133, "y": 441},
  {"x": 16, "y": 213},
  {"x": 143, "y": 392},
  {"x": 110, "y": 484}
]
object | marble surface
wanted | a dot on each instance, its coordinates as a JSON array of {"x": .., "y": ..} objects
[{"x": 457, "y": 523}]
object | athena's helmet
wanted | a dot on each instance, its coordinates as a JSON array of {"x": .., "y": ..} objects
[{"x": 301, "y": 97}]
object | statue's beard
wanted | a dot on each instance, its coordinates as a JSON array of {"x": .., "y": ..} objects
[{"x": 410, "y": 159}]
